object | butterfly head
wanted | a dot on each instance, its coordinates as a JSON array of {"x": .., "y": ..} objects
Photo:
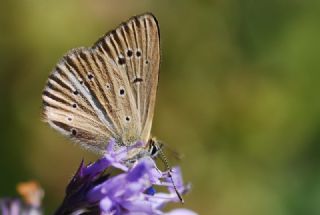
[{"x": 154, "y": 147}]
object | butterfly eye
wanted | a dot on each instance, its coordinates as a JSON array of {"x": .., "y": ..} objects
[{"x": 154, "y": 149}]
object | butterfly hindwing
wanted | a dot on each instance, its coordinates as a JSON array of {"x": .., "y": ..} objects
[{"x": 67, "y": 106}]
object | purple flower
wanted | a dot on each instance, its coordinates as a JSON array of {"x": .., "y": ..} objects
[
  {"x": 95, "y": 189},
  {"x": 15, "y": 206},
  {"x": 10, "y": 206},
  {"x": 32, "y": 195}
]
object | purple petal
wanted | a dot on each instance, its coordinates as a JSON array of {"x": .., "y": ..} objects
[
  {"x": 96, "y": 168},
  {"x": 108, "y": 188},
  {"x": 106, "y": 204},
  {"x": 115, "y": 162},
  {"x": 177, "y": 176},
  {"x": 17, "y": 207},
  {"x": 160, "y": 199},
  {"x": 131, "y": 192},
  {"x": 139, "y": 206},
  {"x": 140, "y": 170},
  {"x": 181, "y": 211},
  {"x": 111, "y": 145}
]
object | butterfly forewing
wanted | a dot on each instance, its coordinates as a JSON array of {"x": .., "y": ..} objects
[
  {"x": 134, "y": 49},
  {"x": 107, "y": 91}
]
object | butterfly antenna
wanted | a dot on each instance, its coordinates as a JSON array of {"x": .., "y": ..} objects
[{"x": 168, "y": 168}]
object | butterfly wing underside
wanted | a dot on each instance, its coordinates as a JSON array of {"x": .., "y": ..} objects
[{"x": 108, "y": 90}]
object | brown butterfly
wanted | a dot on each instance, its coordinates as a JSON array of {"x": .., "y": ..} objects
[{"x": 108, "y": 90}]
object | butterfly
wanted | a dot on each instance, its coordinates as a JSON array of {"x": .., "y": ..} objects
[{"x": 108, "y": 90}]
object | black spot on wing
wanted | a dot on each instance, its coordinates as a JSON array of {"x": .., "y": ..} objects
[
  {"x": 90, "y": 76},
  {"x": 129, "y": 53},
  {"x": 136, "y": 80},
  {"x": 74, "y": 132},
  {"x": 122, "y": 92},
  {"x": 121, "y": 60}
]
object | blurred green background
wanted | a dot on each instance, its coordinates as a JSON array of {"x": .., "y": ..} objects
[{"x": 238, "y": 96}]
